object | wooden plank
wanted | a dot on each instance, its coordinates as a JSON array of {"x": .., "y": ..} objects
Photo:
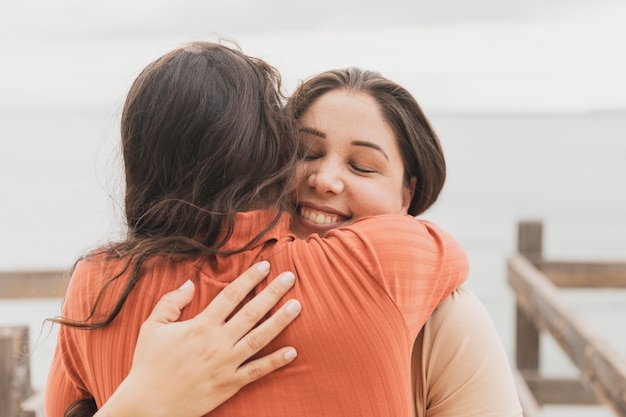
[
  {"x": 599, "y": 363},
  {"x": 559, "y": 391},
  {"x": 530, "y": 406},
  {"x": 33, "y": 284},
  {"x": 584, "y": 274},
  {"x": 15, "y": 384}
]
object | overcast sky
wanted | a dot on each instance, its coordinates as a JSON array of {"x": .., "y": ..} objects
[{"x": 454, "y": 55}]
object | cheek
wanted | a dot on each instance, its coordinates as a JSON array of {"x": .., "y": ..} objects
[
  {"x": 383, "y": 198},
  {"x": 389, "y": 199},
  {"x": 300, "y": 175}
]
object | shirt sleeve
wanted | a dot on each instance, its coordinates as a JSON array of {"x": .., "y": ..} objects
[
  {"x": 60, "y": 390},
  {"x": 416, "y": 262},
  {"x": 61, "y": 387},
  {"x": 65, "y": 383},
  {"x": 459, "y": 365}
]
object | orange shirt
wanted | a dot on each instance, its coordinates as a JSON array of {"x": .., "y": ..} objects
[{"x": 366, "y": 291}]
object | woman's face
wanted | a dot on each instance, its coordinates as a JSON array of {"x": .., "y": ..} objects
[{"x": 350, "y": 164}]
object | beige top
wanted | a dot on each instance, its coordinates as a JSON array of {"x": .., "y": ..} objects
[{"x": 459, "y": 365}]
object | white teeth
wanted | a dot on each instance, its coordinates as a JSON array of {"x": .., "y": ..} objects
[{"x": 318, "y": 218}]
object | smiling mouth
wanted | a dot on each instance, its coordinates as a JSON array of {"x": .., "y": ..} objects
[{"x": 317, "y": 217}]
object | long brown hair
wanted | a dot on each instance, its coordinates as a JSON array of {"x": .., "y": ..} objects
[
  {"x": 420, "y": 149},
  {"x": 204, "y": 136}
]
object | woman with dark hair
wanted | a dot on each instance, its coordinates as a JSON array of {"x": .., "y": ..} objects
[
  {"x": 184, "y": 116},
  {"x": 209, "y": 155}
]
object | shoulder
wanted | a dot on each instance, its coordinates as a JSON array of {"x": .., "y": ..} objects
[
  {"x": 458, "y": 311},
  {"x": 455, "y": 328},
  {"x": 92, "y": 269},
  {"x": 89, "y": 276}
]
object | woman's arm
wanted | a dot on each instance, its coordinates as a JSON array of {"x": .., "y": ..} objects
[
  {"x": 188, "y": 368},
  {"x": 459, "y": 365}
]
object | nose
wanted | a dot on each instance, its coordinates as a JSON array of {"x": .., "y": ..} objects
[{"x": 325, "y": 177}]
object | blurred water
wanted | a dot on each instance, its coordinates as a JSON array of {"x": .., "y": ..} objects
[{"x": 60, "y": 197}]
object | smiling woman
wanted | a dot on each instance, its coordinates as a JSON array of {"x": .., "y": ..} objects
[
  {"x": 367, "y": 149},
  {"x": 359, "y": 164}
]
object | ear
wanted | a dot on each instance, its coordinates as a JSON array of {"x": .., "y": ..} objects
[{"x": 408, "y": 192}]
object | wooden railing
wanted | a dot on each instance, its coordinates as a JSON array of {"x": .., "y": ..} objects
[
  {"x": 33, "y": 284},
  {"x": 17, "y": 398},
  {"x": 539, "y": 309}
]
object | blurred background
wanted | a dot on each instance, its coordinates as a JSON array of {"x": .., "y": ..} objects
[{"x": 528, "y": 98}]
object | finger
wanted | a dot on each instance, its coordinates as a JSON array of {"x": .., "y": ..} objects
[
  {"x": 258, "y": 368},
  {"x": 259, "y": 337},
  {"x": 230, "y": 297},
  {"x": 251, "y": 313},
  {"x": 170, "y": 305}
]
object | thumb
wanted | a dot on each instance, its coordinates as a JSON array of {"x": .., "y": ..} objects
[{"x": 170, "y": 305}]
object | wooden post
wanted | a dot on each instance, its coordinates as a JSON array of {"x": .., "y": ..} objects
[
  {"x": 526, "y": 342},
  {"x": 529, "y": 244},
  {"x": 530, "y": 240},
  {"x": 14, "y": 371}
]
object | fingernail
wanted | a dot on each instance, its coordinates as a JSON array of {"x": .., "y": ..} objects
[
  {"x": 185, "y": 285},
  {"x": 287, "y": 278},
  {"x": 290, "y": 354},
  {"x": 263, "y": 266},
  {"x": 293, "y": 307}
]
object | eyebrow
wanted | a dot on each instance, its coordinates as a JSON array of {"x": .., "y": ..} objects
[
  {"x": 370, "y": 145},
  {"x": 312, "y": 131},
  {"x": 364, "y": 143}
]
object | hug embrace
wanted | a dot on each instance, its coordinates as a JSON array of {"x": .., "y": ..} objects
[{"x": 273, "y": 264}]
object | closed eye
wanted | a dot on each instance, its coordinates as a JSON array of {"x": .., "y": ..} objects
[
  {"x": 362, "y": 170},
  {"x": 308, "y": 156}
]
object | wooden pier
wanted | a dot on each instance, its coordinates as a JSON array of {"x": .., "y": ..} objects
[{"x": 539, "y": 310}]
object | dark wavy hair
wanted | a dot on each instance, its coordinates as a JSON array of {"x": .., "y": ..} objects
[
  {"x": 204, "y": 136},
  {"x": 85, "y": 407},
  {"x": 419, "y": 146}
]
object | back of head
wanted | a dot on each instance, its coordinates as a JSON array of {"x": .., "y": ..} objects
[
  {"x": 419, "y": 146},
  {"x": 204, "y": 136}
]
